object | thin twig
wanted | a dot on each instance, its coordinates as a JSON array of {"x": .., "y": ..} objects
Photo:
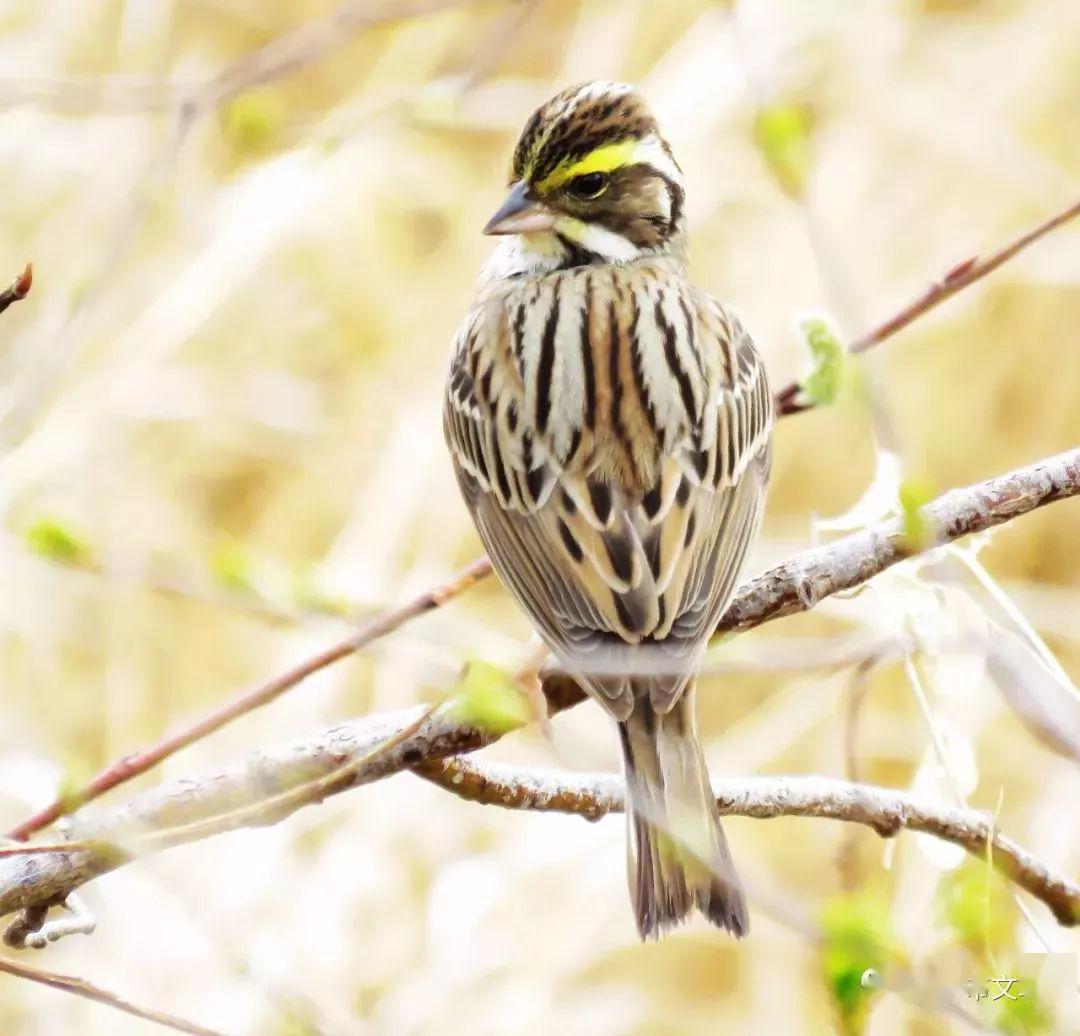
[
  {"x": 88, "y": 991},
  {"x": 859, "y": 685},
  {"x": 886, "y": 811},
  {"x": 255, "y": 697},
  {"x": 303, "y": 46},
  {"x": 959, "y": 276},
  {"x": 249, "y": 700},
  {"x": 19, "y": 288},
  {"x": 794, "y": 586},
  {"x": 414, "y": 739}
]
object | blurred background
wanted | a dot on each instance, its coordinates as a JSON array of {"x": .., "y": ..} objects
[{"x": 254, "y": 228}]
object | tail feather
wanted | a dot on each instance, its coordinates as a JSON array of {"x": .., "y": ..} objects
[{"x": 677, "y": 855}]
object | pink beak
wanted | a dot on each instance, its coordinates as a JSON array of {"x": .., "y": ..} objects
[{"x": 520, "y": 214}]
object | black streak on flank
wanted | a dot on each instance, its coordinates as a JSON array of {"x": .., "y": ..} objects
[
  {"x": 654, "y": 547},
  {"x": 534, "y": 480},
  {"x": 639, "y": 374},
  {"x": 630, "y": 622},
  {"x": 651, "y": 501},
  {"x": 518, "y": 332},
  {"x": 700, "y": 460},
  {"x": 671, "y": 354},
  {"x": 691, "y": 528},
  {"x": 500, "y": 474},
  {"x": 571, "y": 545},
  {"x": 600, "y": 497},
  {"x": 587, "y": 357},
  {"x": 575, "y": 445},
  {"x": 614, "y": 341},
  {"x": 546, "y": 367},
  {"x": 622, "y": 560},
  {"x": 691, "y": 336}
]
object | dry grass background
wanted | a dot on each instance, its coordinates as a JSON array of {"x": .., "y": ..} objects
[{"x": 219, "y": 426}]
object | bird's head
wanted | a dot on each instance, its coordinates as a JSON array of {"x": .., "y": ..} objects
[{"x": 593, "y": 177}]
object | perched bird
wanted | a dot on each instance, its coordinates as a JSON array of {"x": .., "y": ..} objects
[{"x": 610, "y": 427}]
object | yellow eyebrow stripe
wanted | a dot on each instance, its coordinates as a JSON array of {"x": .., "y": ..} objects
[{"x": 600, "y": 160}]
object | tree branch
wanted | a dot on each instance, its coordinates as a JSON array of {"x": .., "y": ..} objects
[
  {"x": 960, "y": 276},
  {"x": 785, "y": 401},
  {"x": 764, "y": 798},
  {"x": 88, "y": 991},
  {"x": 255, "y": 697},
  {"x": 310, "y": 42},
  {"x": 308, "y": 770}
]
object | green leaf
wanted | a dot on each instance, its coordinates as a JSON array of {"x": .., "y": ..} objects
[
  {"x": 834, "y": 376},
  {"x": 915, "y": 493},
  {"x": 234, "y": 568},
  {"x": 253, "y": 121},
  {"x": 1026, "y": 1015},
  {"x": 490, "y": 698},
  {"x": 857, "y": 936},
  {"x": 782, "y": 132},
  {"x": 53, "y": 539},
  {"x": 974, "y": 902}
]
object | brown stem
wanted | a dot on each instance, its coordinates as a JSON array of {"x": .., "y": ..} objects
[
  {"x": 88, "y": 991},
  {"x": 261, "y": 694},
  {"x": 960, "y": 276}
]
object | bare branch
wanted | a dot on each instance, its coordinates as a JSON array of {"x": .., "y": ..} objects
[
  {"x": 307, "y": 771},
  {"x": 87, "y": 990},
  {"x": 311, "y": 42},
  {"x": 960, "y": 276},
  {"x": 809, "y": 577},
  {"x": 261, "y": 694},
  {"x": 764, "y": 798},
  {"x": 786, "y": 402}
]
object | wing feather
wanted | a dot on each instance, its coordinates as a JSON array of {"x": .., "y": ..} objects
[{"x": 604, "y": 568}]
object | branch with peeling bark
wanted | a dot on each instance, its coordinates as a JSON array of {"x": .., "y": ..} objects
[
  {"x": 360, "y": 752},
  {"x": 764, "y": 798}
]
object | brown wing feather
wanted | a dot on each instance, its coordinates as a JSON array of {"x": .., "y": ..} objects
[{"x": 603, "y": 568}]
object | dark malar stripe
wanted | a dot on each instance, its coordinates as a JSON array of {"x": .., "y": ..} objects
[
  {"x": 546, "y": 366},
  {"x": 587, "y": 357},
  {"x": 686, "y": 390}
]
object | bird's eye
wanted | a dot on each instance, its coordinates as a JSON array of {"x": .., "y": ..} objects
[{"x": 588, "y": 185}]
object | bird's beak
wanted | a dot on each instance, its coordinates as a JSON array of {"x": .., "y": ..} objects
[{"x": 520, "y": 214}]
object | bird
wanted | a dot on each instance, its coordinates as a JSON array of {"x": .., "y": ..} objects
[{"x": 609, "y": 425}]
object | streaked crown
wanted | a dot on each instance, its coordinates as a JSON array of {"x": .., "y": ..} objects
[
  {"x": 578, "y": 121},
  {"x": 592, "y": 167}
]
